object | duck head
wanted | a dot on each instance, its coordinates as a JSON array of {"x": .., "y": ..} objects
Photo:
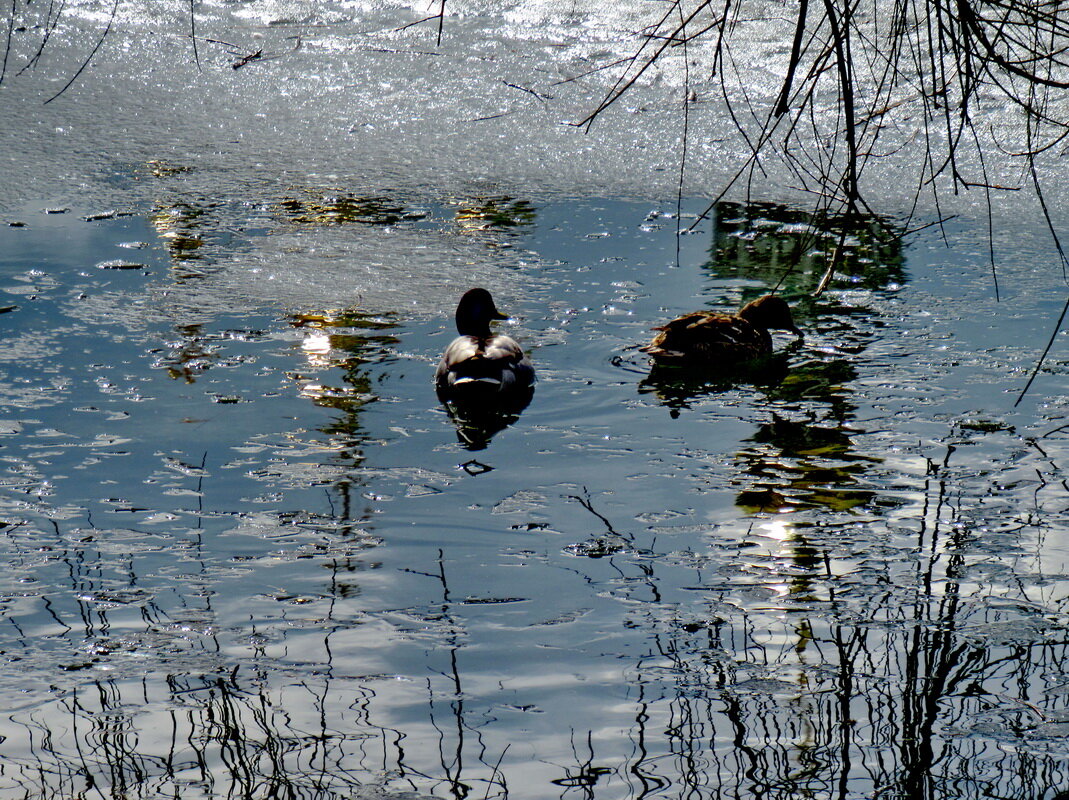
[
  {"x": 475, "y": 311},
  {"x": 771, "y": 313}
]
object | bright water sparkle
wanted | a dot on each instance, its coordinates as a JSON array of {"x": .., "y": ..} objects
[
  {"x": 247, "y": 554},
  {"x": 249, "y": 550}
]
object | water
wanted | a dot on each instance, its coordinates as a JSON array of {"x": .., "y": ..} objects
[{"x": 248, "y": 554}]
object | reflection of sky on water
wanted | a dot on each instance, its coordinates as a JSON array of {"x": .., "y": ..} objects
[
  {"x": 272, "y": 505},
  {"x": 246, "y": 552}
]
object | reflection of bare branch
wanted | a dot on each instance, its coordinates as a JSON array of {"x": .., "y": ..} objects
[{"x": 585, "y": 502}]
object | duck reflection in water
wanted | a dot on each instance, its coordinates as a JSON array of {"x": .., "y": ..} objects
[
  {"x": 676, "y": 386},
  {"x": 484, "y": 379},
  {"x": 707, "y": 351}
]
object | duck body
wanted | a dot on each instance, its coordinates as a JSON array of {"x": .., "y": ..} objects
[
  {"x": 477, "y": 367},
  {"x": 708, "y": 338},
  {"x": 480, "y": 368}
]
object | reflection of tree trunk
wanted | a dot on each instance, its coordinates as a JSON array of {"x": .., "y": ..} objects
[
  {"x": 739, "y": 717},
  {"x": 847, "y": 650},
  {"x": 643, "y": 766},
  {"x": 452, "y": 766},
  {"x": 934, "y": 665},
  {"x": 934, "y": 670}
]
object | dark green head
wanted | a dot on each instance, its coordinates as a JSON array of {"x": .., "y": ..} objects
[
  {"x": 771, "y": 313},
  {"x": 475, "y": 311}
]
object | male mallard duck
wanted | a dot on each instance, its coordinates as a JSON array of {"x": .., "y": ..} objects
[
  {"x": 709, "y": 338},
  {"x": 480, "y": 367}
]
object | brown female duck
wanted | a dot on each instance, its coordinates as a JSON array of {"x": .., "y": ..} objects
[
  {"x": 706, "y": 338},
  {"x": 480, "y": 367}
]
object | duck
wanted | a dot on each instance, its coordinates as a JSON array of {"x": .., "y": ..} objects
[
  {"x": 708, "y": 338},
  {"x": 480, "y": 368}
]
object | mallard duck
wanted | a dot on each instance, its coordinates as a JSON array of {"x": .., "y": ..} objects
[
  {"x": 709, "y": 338},
  {"x": 480, "y": 367}
]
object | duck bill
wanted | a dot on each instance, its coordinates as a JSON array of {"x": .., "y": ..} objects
[{"x": 499, "y": 315}]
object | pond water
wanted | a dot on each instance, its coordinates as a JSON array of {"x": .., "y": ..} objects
[{"x": 248, "y": 554}]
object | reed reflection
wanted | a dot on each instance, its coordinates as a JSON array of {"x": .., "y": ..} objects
[
  {"x": 339, "y": 348},
  {"x": 494, "y": 215},
  {"x": 841, "y": 690},
  {"x": 340, "y": 207},
  {"x": 183, "y": 225},
  {"x": 904, "y": 676},
  {"x": 195, "y": 232},
  {"x": 193, "y": 350}
]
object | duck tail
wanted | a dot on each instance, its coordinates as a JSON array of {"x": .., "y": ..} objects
[
  {"x": 486, "y": 380},
  {"x": 657, "y": 351}
]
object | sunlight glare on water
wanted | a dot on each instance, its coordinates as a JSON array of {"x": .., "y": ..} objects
[
  {"x": 269, "y": 508},
  {"x": 248, "y": 553}
]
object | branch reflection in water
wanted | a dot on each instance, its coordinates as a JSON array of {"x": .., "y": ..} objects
[
  {"x": 804, "y": 606},
  {"x": 826, "y": 686}
]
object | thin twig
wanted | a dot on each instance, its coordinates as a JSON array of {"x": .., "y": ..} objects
[
  {"x": 581, "y": 75},
  {"x": 686, "y": 133},
  {"x": 440, "y": 16},
  {"x": 193, "y": 32},
  {"x": 103, "y": 36},
  {"x": 1042, "y": 358},
  {"x": 7, "y": 46},
  {"x": 542, "y": 97},
  {"x": 50, "y": 25}
]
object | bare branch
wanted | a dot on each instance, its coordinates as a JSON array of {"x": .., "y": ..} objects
[{"x": 93, "y": 52}]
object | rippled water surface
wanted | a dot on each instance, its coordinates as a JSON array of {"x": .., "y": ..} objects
[{"x": 249, "y": 555}]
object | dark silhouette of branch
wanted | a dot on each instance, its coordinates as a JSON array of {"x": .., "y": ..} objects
[
  {"x": 1043, "y": 356},
  {"x": 7, "y": 45},
  {"x": 50, "y": 25},
  {"x": 625, "y": 82},
  {"x": 81, "y": 69},
  {"x": 683, "y": 146},
  {"x": 792, "y": 65},
  {"x": 193, "y": 32},
  {"x": 971, "y": 23},
  {"x": 440, "y": 16}
]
